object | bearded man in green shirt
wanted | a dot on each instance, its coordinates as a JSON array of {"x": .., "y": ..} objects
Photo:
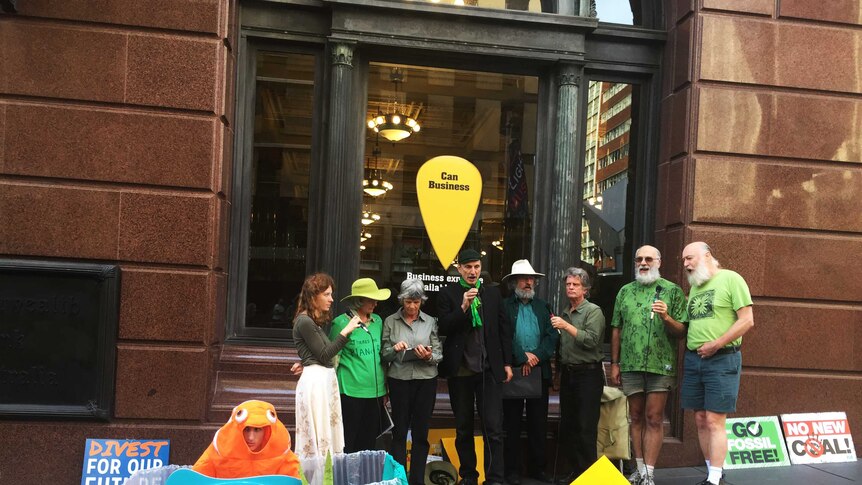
[
  {"x": 646, "y": 323},
  {"x": 719, "y": 313}
]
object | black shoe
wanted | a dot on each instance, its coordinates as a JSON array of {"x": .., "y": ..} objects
[
  {"x": 513, "y": 479},
  {"x": 571, "y": 477},
  {"x": 541, "y": 477},
  {"x": 469, "y": 481}
]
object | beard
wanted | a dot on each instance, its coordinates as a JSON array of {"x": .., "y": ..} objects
[
  {"x": 524, "y": 294},
  {"x": 647, "y": 279},
  {"x": 700, "y": 275}
]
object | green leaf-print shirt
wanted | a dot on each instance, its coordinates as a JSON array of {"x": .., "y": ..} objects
[{"x": 645, "y": 344}]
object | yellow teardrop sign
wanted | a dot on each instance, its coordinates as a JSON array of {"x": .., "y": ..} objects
[{"x": 449, "y": 189}]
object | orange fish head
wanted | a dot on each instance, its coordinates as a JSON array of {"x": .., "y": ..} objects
[{"x": 231, "y": 441}]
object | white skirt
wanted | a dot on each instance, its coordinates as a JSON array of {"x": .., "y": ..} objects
[{"x": 319, "y": 427}]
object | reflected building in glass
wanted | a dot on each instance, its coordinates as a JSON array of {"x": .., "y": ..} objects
[{"x": 606, "y": 173}]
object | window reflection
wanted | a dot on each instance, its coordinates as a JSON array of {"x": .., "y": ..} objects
[
  {"x": 488, "y": 119},
  {"x": 280, "y": 181},
  {"x": 610, "y": 11},
  {"x": 609, "y": 123},
  {"x": 524, "y": 5},
  {"x": 614, "y": 11}
]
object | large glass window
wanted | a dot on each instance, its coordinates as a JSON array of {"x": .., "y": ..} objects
[
  {"x": 524, "y": 5},
  {"x": 280, "y": 170},
  {"x": 606, "y": 173},
  {"x": 488, "y": 119},
  {"x": 611, "y": 11}
]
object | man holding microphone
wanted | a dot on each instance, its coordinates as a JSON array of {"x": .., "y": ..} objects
[{"x": 646, "y": 323}]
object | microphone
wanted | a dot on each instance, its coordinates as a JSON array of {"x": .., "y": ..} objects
[
  {"x": 658, "y": 289},
  {"x": 558, "y": 330},
  {"x": 361, "y": 325}
]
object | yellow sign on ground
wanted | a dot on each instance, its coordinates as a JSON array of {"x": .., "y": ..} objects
[
  {"x": 449, "y": 189},
  {"x": 602, "y": 472}
]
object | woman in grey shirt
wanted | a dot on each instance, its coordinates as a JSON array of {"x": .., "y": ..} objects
[
  {"x": 410, "y": 345},
  {"x": 319, "y": 428}
]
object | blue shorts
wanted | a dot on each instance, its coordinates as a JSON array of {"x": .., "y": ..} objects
[{"x": 711, "y": 384}]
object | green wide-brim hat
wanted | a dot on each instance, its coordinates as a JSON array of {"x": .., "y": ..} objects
[{"x": 367, "y": 288}]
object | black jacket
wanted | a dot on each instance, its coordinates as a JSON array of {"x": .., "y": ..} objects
[{"x": 455, "y": 325}]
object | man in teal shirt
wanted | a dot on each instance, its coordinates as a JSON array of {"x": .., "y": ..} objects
[
  {"x": 647, "y": 321},
  {"x": 719, "y": 313},
  {"x": 533, "y": 345}
]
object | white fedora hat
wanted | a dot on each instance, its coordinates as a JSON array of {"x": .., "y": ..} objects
[{"x": 522, "y": 267}]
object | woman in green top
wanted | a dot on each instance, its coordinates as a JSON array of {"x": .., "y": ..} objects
[
  {"x": 581, "y": 328},
  {"x": 361, "y": 379},
  {"x": 319, "y": 428}
]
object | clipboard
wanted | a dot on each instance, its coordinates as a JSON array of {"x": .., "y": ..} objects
[
  {"x": 386, "y": 420},
  {"x": 407, "y": 355}
]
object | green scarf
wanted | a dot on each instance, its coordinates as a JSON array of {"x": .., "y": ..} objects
[{"x": 474, "y": 306}]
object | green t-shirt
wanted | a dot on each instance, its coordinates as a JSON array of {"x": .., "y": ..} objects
[
  {"x": 645, "y": 345},
  {"x": 359, "y": 366},
  {"x": 712, "y": 307}
]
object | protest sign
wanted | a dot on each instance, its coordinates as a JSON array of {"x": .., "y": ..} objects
[
  {"x": 755, "y": 443},
  {"x": 449, "y": 189},
  {"x": 111, "y": 462},
  {"x": 818, "y": 438}
]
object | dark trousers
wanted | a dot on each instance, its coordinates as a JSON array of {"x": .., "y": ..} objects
[
  {"x": 412, "y": 405},
  {"x": 362, "y": 422},
  {"x": 537, "y": 428},
  {"x": 580, "y": 401},
  {"x": 487, "y": 395}
]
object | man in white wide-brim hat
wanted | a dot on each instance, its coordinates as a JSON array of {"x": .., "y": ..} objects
[{"x": 533, "y": 345}]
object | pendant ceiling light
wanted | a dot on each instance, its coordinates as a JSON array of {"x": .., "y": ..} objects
[
  {"x": 397, "y": 122},
  {"x": 369, "y": 217},
  {"x": 373, "y": 183}
]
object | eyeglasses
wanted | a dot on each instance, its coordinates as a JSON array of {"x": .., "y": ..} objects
[{"x": 648, "y": 259}]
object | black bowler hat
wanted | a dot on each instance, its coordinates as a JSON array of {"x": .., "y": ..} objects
[{"x": 467, "y": 255}]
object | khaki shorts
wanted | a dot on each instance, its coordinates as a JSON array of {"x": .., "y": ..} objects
[{"x": 635, "y": 382}]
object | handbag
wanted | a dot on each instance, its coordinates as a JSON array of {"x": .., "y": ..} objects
[
  {"x": 613, "y": 430},
  {"x": 524, "y": 387}
]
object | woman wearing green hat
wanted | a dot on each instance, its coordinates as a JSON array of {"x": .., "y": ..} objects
[{"x": 361, "y": 378}]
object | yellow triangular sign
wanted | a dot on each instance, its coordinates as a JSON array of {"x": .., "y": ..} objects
[{"x": 602, "y": 472}]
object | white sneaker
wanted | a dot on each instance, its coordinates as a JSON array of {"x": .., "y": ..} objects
[
  {"x": 635, "y": 478},
  {"x": 647, "y": 480}
]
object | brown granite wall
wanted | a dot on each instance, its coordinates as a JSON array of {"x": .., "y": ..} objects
[
  {"x": 115, "y": 134},
  {"x": 762, "y": 158}
]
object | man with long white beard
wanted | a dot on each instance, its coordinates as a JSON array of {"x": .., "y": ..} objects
[
  {"x": 719, "y": 313},
  {"x": 647, "y": 321},
  {"x": 533, "y": 345}
]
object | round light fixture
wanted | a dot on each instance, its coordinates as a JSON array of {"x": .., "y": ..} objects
[
  {"x": 369, "y": 217},
  {"x": 374, "y": 185},
  {"x": 394, "y": 126}
]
